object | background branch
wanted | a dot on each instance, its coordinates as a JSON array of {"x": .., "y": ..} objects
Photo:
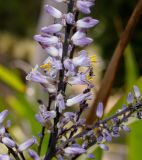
[{"x": 110, "y": 74}]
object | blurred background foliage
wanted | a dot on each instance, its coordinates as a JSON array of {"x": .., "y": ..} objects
[{"x": 18, "y": 24}]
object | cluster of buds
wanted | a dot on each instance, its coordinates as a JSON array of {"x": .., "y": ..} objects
[
  {"x": 58, "y": 71},
  {"x": 14, "y": 149}
]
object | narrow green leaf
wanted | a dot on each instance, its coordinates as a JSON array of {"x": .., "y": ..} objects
[
  {"x": 135, "y": 141},
  {"x": 24, "y": 110},
  {"x": 131, "y": 67},
  {"x": 11, "y": 79}
]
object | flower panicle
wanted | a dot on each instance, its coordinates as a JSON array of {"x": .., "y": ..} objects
[{"x": 59, "y": 70}]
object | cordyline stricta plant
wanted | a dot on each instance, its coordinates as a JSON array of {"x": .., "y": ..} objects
[{"x": 70, "y": 136}]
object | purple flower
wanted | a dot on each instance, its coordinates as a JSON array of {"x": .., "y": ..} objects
[
  {"x": 84, "y": 6},
  {"x": 44, "y": 117},
  {"x": 104, "y": 147},
  {"x": 2, "y": 130},
  {"x": 8, "y": 142},
  {"x": 46, "y": 40},
  {"x": 99, "y": 111},
  {"x": 90, "y": 155},
  {"x": 125, "y": 128},
  {"x": 36, "y": 76},
  {"x": 51, "y": 65},
  {"x": 27, "y": 144},
  {"x": 86, "y": 23},
  {"x": 60, "y": 102},
  {"x": 53, "y": 11},
  {"x": 69, "y": 18},
  {"x": 33, "y": 154},
  {"x": 81, "y": 60},
  {"x": 3, "y": 115},
  {"x": 77, "y": 99},
  {"x": 74, "y": 150},
  {"x": 80, "y": 39},
  {"x": 4, "y": 157},
  {"x": 68, "y": 64},
  {"x": 130, "y": 98},
  {"x": 54, "y": 28},
  {"x": 137, "y": 92}
]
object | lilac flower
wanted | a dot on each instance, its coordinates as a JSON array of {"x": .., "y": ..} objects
[
  {"x": 125, "y": 128},
  {"x": 4, "y": 157},
  {"x": 83, "y": 78},
  {"x": 8, "y": 142},
  {"x": 74, "y": 150},
  {"x": 60, "y": 102},
  {"x": 90, "y": 155},
  {"x": 36, "y": 76},
  {"x": 54, "y": 28},
  {"x": 84, "y": 6},
  {"x": 99, "y": 111},
  {"x": 46, "y": 40},
  {"x": 104, "y": 147},
  {"x": 51, "y": 65},
  {"x": 80, "y": 39},
  {"x": 130, "y": 98},
  {"x": 82, "y": 59},
  {"x": 86, "y": 23},
  {"x": 27, "y": 144},
  {"x": 68, "y": 64},
  {"x": 44, "y": 117},
  {"x": 2, "y": 130},
  {"x": 53, "y": 11},
  {"x": 69, "y": 18},
  {"x": 33, "y": 154},
  {"x": 137, "y": 92},
  {"x": 77, "y": 99},
  {"x": 3, "y": 115}
]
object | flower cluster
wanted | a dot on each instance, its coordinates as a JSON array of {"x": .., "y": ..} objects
[
  {"x": 8, "y": 141},
  {"x": 59, "y": 70}
]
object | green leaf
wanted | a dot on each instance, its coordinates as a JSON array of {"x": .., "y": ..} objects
[
  {"x": 135, "y": 141},
  {"x": 11, "y": 79},
  {"x": 131, "y": 67},
  {"x": 24, "y": 110}
]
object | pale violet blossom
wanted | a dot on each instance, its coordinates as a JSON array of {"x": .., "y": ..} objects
[
  {"x": 80, "y": 39},
  {"x": 33, "y": 154},
  {"x": 99, "y": 111},
  {"x": 53, "y": 11},
  {"x": 3, "y": 115},
  {"x": 51, "y": 29},
  {"x": 60, "y": 102},
  {"x": 86, "y": 22},
  {"x": 8, "y": 142},
  {"x": 84, "y": 6},
  {"x": 46, "y": 40},
  {"x": 74, "y": 150},
  {"x": 27, "y": 144},
  {"x": 79, "y": 98}
]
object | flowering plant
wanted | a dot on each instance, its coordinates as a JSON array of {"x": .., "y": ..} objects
[{"x": 70, "y": 135}]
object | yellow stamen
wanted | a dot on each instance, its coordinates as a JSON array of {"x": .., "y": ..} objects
[
  {"x": 93, "y": 60},
  {"x": 47, "y": 66},
  {"x": 89, "y": 78}
]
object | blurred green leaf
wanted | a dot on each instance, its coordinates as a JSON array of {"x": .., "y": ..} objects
[
  {"x": 134, "y": 141},
  {"x": 131, "y": 67},
  {"x": 24, "y": 109},
  {"x": 11, "y": 79}
]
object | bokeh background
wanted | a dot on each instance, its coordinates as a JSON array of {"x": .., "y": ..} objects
[{"x": 20, "y": 20}]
